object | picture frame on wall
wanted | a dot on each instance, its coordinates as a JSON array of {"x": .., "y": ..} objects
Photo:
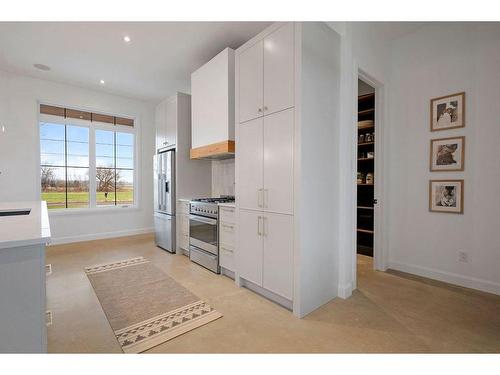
[
  {"x": 447, "y": 154},
  {"x": 448, "y": 112},
  {"x": 446, "y": 196}
]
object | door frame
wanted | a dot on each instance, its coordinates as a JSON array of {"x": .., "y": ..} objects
[{"x": 380, "y": 237}]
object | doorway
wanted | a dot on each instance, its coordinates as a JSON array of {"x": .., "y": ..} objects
[{"x": 365, "y": 200}]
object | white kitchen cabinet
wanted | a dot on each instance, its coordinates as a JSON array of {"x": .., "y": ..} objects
[
  {"x": 166, "y": 123},
  {"x": 279, "y": 69},
  {"x": 251, "y": 91},
  {"x": 171, "y": 121},
  {"x": 22, "y": 278},
  {"x": 278, "y": 162},
  {"x": 265, "y": 251},
  {"x": 227, "y": 237},
  {"x": 184, "y": 243},
  {"x": 298, "y": 123},
  {"x": 265, "y": 157},
  {"x": 250, "y": 158},
  {"x": 160, "y": 125},
  {"x": 266, "y": 75},
  {"x": 250, "y": 246},
  {"x": 278, "y": 254},
  {"x": 227, "y": 214},
  {"x": 183, "y": 225}
]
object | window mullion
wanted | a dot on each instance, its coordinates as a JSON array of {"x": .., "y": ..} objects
[
  {"x": 92, "y": 168},
  {"x": 66, "y": 165},
  {"x": 114, "y": 136}
]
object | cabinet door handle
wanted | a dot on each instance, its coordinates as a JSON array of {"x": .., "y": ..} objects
[
  {"x": 260, "y": 110},
  {"x": 259, "y": 232},
  {"x": 265, "y": 108},
  {"x": 225, "y": 249},
  {"x": 265, "y": 198},
  {"x": 260, "y": 197},
  {"x": 264, "y": 226}
]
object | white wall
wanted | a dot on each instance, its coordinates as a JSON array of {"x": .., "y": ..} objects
[
  {"x": 432, "y": 60},
  {"x": 438, "y": 60},
  {"x": 19, "y": 153},
  {"x": 363, "y": 47},
  {"x": 316, "y": 194}
]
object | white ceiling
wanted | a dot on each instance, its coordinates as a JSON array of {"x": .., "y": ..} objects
[
  {"x": 395, "y": 30},
  {"x": 157, "y": 62}
]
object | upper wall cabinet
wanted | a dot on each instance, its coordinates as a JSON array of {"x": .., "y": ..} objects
[
  {"x": 212, "y": 108},
  {"x": 251, "y": 85},
  {"x": 166, "y": 123},
  {"x": 279, "y": 70},
  {"x": 266, "y": 75}
]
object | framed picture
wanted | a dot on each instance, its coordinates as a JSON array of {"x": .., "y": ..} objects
[
  {"x": 448, "y": 112},
  {"x": 446, "y": 196},
  {"x": 447, "y": 154}
]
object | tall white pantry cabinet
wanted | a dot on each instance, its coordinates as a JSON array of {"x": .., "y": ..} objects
[{"x": 273, "y": 147}]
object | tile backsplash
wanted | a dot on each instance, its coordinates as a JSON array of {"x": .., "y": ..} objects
[{"x": 223, "y": 177}]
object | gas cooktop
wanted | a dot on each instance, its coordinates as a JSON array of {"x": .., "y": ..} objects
[{"x": 223, "y": 199}]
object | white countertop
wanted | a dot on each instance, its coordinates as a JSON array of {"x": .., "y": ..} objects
[
  {"x": 232, "y": 204},
  {"x": 24, "y": 230}
]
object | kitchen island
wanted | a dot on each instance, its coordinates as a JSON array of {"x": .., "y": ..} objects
[{"x": 24, "y": 232}]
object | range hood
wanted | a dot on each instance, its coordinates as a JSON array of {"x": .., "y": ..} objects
[
  {"x": 212, "y": 108},
  {"x": 214, "y": 151}
]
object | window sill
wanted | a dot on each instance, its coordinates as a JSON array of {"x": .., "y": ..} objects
[{"x": 94, "y": 210}]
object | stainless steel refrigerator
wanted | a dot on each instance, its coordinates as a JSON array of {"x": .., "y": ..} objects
[{"x": 164, "y": 200}]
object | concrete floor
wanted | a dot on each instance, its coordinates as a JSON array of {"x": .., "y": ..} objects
[{"x": 390, "y": 312}]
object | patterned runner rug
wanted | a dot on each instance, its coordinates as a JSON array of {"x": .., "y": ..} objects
[{"x": 144, "y": 306}]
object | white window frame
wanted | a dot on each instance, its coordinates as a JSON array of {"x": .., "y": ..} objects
[{"x": 93, "y": 126}]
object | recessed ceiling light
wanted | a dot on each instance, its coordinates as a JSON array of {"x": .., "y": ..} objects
[
  {"x": 126, "y": 39},
  {"x": 102, "y": 82},
  {"x": 45, "y": 68}
]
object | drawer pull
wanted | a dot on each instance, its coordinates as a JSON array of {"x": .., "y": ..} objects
[
  {"x": 228, "y": 250},
  {"x": 228, "y": 226},
  {"x": 226, "y": 209}
]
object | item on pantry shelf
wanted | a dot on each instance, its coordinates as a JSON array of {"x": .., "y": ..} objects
[
  {"x": 365, "y": 123},
  {"x": 368, "y": 138},
  {"x": 370, "y": 154},
  {"x": 361, "y": 178},
  {"x": 361, "y": 138},
  {"x": 369, "y": 178},
  {"x": 361, "y": 155}
]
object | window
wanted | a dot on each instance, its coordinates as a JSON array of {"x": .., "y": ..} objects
[
  {"x": 85, "y": 164},
  {"x": 114, "y": 167}
]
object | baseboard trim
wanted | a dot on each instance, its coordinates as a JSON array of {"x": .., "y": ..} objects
[
  {"x": 99, "y": 236},
  {"x": 227, "y": 273},
  {"x": 287, "y": 304},
  {"x": 344, "y": 291},
  {"x": 448, "y": 277}
]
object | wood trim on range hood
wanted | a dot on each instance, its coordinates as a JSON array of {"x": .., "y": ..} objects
[{"x": 220, "y": 150}]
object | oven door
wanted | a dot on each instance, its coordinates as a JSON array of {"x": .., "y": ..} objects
[{"x": 203, "y": 233}]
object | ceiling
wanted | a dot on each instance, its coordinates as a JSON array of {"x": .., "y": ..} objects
[
  {"x": 395, "y": 30},
  {"x": 156, "y": 63}
]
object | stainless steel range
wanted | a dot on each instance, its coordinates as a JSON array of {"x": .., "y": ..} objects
[{"x": 204, "y": 231}]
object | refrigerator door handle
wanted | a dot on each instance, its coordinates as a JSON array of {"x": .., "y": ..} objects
[
  {"x": 167, "y": 187},
  {"x": 160, "y": 194}
]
